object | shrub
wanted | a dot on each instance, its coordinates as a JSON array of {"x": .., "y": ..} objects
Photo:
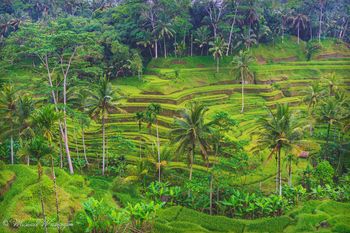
[{"x": 323, "y": 173}]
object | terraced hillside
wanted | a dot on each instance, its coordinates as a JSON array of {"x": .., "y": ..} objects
[{"x": 281, "y": 76}]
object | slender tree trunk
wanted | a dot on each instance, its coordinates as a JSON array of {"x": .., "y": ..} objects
[
  {"x": 320, "y": 24},
  {"x": 298, "y": 34},
  {"x": 76, "y": 144},
  {"x": 191, "y": 160},
  {"x": 156, "y": 49},
  {"x": 231, "y": 31},
  {"x": 211, "y": 194},
  {"x": 191, "y": 44},
  {"x": 103, "y": 144},
  {"x": 325, "y": 156},
  {"x": 217, "y": 65},
  {"x": 28, "y": 160},
  {"x": 164, "y": 46},
  {"x": 84, "y": 146},
  {"x": 12, "y": 152},
  {"x": 158, "y": 148},
  {"x": 279, "y": 171},
  {"x": 41, "y": 197},
  {"x": 65, "y": 76},
  {"x": 290, "y": 173},
  {"x": 61, "y": 153},
  {"x": 56, "y": 194},
  {"x": 242, "y": 76}
]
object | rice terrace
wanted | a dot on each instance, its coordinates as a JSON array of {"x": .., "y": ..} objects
[{"x": 174, "y": 116}]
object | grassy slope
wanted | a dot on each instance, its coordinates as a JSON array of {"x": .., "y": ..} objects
[{"x": 22, "y": 202}]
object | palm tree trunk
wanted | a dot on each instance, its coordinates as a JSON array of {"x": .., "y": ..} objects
[
  {"x": 84, "y": 146},
  {"x": 11, "y": 148},
  {"x": 298, "y": 33},
  {"x": 327, "y": 140},
  {"x": 242, "y": 76},
  {"x": 279, "y": 171},
  {"x": 41, "y": 197},
  {"x": 56, "y": 194},
  {"x": 158, "y": 148},
  {"x": 290, "y": 173},
  {"x": 191, "y": 161},
  {"x": 211, "y": 194},
  {"x": 103, "y": 144},
  {"x": 164, "y": 46},
  {"x": 217, "y": 65}
]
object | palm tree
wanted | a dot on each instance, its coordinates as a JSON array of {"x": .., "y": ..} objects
[
  {"x": 140, "y": 117},
  {"x": 278, "y": 131},
  {"x": 312, "y": 97},
  {"x": 25, "y": 108},
  {"x": 298, "y": 21},
  {"x": 241, "y": 66},
  {"x": 152, "y": 113},
  {"x": 102, "y": 101},
  {"x": 201, "y": 37},
  {"x": 8, "y": 102},
  {"x": 251, "y": 18},
  {"x": 333, "y": 82},
  {"x": 217, "y": 48},
  {"x": 44, "y": 120},
  {"x": 165, "y": 30},
  {"x": 329, "y": 112},
  {"x": 190, "y": 132}
]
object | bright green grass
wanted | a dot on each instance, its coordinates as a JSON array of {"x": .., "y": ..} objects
[{"x": 306, "y": 218}]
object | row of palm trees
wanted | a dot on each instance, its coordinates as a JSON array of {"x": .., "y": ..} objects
[{"x": 17, "y": 110}]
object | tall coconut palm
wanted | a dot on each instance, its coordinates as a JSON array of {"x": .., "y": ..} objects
[
  {"x": 8, "y": 102},
  {"x": 191, "y": 132},
  {"x": 329, "y": 112},
  {"x": 279, "y": 131},
  {"x": 165, "y": 30},
  {"x": 298, "y": 22},
  {"x": 251, "y": 18},
  {"x": 44, "y": 120},
  {"x": 332, "y": 81},
  {"x": 312, "y": 97},
  {"x": 101, "y": 102},
  {"x": 201, "y": 37},
  {"x": 241, "y": 67},
  {"x": 217, "y": 49},
  {"x": 152, "y": 113},
  {"x": 25, "y": 108}
]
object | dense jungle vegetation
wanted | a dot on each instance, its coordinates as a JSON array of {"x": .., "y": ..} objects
[{"x": 174, "y": 116}]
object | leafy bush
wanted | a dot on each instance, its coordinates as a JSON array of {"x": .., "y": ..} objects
[
  {"x": 99, "y": 217},
  {"x": 323, "y": 174}
]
